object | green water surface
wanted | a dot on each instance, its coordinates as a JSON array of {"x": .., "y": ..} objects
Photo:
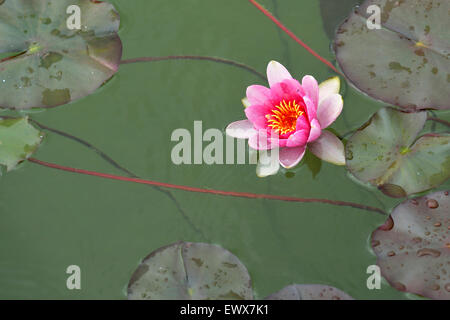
[{"x": 51, "y": 219}]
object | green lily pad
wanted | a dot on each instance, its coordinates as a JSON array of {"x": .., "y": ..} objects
[
  {"x": 190, "y": 271},
  {"x": 18, "y": 141},
  {"x": 309, "y": 292},
  {"x": 405, "y": 63},
  {"x": 385, "y": 153},
  {"x": 45, "y": 64},
  {"x": 413, "y": 246},
  {"x": 334, "y": 12}
]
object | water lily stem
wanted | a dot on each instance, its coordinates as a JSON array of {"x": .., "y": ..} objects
[
  {"x": 86, "y": 144},
  {"x": 208, "y": 191},
  {"x": 284, "y": 41},
  {"x": 293, "y": 36},
  {"x": 441, "y": 121},
  {"x": 203, "y": 58},
  {"x": 124, "y": 170}
]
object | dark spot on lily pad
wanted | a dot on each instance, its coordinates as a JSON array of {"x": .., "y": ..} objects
[
  {"x": 49, "y": 59},
  {"x": 398, "y": 67},
  {"x": 55, "y": 97}
]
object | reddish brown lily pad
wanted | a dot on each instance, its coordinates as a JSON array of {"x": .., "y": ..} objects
[
  {"x": 309, "y": 292},
  {"x": 413, "y": 246}
]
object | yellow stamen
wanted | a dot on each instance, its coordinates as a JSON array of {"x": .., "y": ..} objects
[{"x": 283, "y": 118}]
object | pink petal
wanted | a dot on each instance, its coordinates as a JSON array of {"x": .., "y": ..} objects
[
  {"x": 311, "y": 109},
  {"x": 302, "y": 123},
  {"x": 253, "y": 141},
  {"x": 290, "y": 157},
  {"x": 329, "y": 110},
  {"x": 311, "y": 88},
  {"x": 262, "y": 140},
  {"x": 298, "y": 139},
  {"x": 258, "y": 95},
  {"x": 276, "y": 72},
  {"x": 288, "y": 90},
  {"x": 316, "y": 130},
  {"x": 282, "y": 142},
  {"x": 257, "y": 115},
  {"x": 242, "y": 129},
  {"x": 328, "y": 148}
]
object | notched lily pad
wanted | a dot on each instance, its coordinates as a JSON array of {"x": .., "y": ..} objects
[
  {"x": 190, "y": 271},
  {"x": 385, "y": 153},
  {"x": 18, "y": 141},
  {"x": 413, "y": 246},
  {"x": 334, "y": 12},
  {"x": 406, "y": 62},
  {"x": 309, "y": 292},
  {"x": 43, "y": 63}
]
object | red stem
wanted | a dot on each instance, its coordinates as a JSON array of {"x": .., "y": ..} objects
[
  {"x": 441, "y": 121},
  {"x": 209, "y": 191},
  {"x": 293, "y": 36}
]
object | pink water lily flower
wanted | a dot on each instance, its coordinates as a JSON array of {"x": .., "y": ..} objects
[{"x": 292, "y": 115}]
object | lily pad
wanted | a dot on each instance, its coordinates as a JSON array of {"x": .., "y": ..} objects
[
  {"x": 18, "y": 141},
  {"x": 45, "y": 64},
  {"x": 385, "y": 153},
  {"x": 405, "y": 63},
  {"x": 190, "y": 271},
  {"x": 334, "y": 12},
  {"x": 309, "y": 292},
  {"x": 413, "y": 246}
]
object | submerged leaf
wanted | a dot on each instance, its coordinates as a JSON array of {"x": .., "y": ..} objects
[
  {"x": 385, "y": 152},
  {"x": 406, "y": 62},
  {"x": 194, "y": 271},
  {"x": 18, "y": 141},
  {"x": 45, "y": 63},
  {"x": 309, "y": 292},
  {"x": 413, "y": 246},
  {"x": 313, "y": 163}
]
